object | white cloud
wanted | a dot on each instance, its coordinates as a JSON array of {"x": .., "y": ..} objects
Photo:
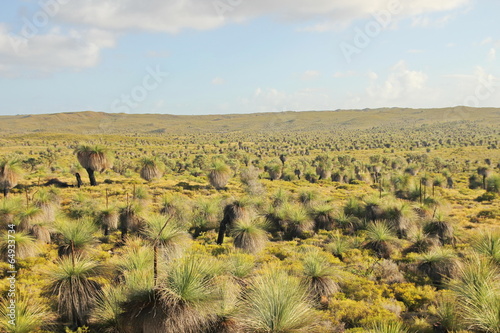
[
  {"x": 344, "y": 74},
  {"x": 310, "y": 74},
  {"x": 176, "y": 15},
  {"x": 425, "y": 21},
  {"x": 272, "y": 99},
  {"x": 487, "y": 40},
  {"x": 53, "y": 50},
  {"x": 218, "y": 81},
  {"x": 492, "y": 54},
  {"x": 415, "y": 51},
  {"x": 400, "y": 83}
]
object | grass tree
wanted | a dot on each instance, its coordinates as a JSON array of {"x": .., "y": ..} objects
[
  {"x": 108, "y": 219},
  {"x": 130, "y": 219},
  {"x": 10, "y": 172},
  {"x": 380, "y": 238},
  {"x": 107, "y": 311},
  {"x": 219, "y": 175},
  {"x": 31, "y": 313},
  {"x": 484, "y": 172},
  {"x": 296, "y": 222},
  {"x": 151, "y": 168},
  {"x": 324, "y": 217},
  {"x": 493, "y": 184},
  {"x": 234, "y": 211},
  {"x": 93, "y": 159},
  {"x": 166, "y": 235},
  {"x": 180, "y": 303},
  {"x": 249, "y": 235},
  {"x": 9, "y": 209},
  {"x": 73, "y": 282},
  {"x": 274, "y": 170},
  {"x": 25, "y": 245},
  {"x": 276, "y": 302},
  {"x": 225, "y": 312},
  {"x": 77, "y": 236},
  {"x": 206, "y": 216},
  {"x": 487, "y": 243},
  {"x": 441, "y": 228},
  {"x": 387, "y": 327},
  {"x": 438, "y": 264},
  {"x": 318, "y": 276},
  {"x": 477, "y": 291}
]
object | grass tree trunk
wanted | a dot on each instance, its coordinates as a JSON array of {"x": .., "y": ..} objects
[
  {"x": 155, "y": 264},
  {"x": 222, "y": 232},
  {"x": 79, "y": 182},
  {"x": 91, "y": 176}
]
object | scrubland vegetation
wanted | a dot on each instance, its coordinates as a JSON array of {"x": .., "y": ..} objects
[{"x": 389, "y": 228}]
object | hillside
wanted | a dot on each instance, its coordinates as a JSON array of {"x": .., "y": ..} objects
[{"x": 89, "y": 122}]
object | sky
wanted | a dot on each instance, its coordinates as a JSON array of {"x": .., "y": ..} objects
[{"x": 245, "y": 56}]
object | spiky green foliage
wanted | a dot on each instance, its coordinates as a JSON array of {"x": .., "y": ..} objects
[
  {"x": 166, "y": 234},
  {"x": 219, "y": 175},
  {"x": 477, "y": 290},
  {"x": 319, "y": 276},
  {"x": 249, "y": 235},
  {"x": 93, "y": 159},
  {"x": 10, "y": 172},
  {"x": 488, "y": 244},
  {"x": 25, "y": 246},
  {"x": 438, "y": 264},
  {"x": 400, "y": 217},
  {"x": 97, "y": 158},
  {"x": 206, "y": 216},
  {"x": 130, "y": 219},
  {"x": 108, "y": 219},
  {"x": 77, "y": 236},
  {"x": 441, "y": 228},
  {"x": 151, "y": 168},
  {"x": 388, "y": 327},
  {"x": 324, "y": 217},
  {"x": 276, "y": 302},
  {"x": 338, "y": 245},
  {"x": 225, "y": 313},
  {"x": 380, "y": 238},
  {"x": 297, "y": 222},
  {"x": 107, "y": 311},
  {"x": 179, "y": 304},
  {"x": 493, "y": 184},
  {"x": 9, "y": 208},
  {"x": 30, "y": 314},
  {"x": 28, "y": 217},
  {"x": 72, "y": 281},
  {"x": 422, "y": 241},
  {"x": 274, "y": 170},
  {"x": 240, "y": 265}
]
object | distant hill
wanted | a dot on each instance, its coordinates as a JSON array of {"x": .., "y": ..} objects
[{"x": 89, "y": 122}]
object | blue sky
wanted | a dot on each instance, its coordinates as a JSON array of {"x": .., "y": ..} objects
[{"x": 243, "y": 56}]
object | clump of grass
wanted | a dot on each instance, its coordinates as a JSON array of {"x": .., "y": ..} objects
[
  {"x": 276, "y": 302},
  {"x": 31, "y": 313},
  {"x": 72, "y": 281},
  {"x": 438, "y": 264},
  {"x": 249, "y": 235},
  {"x": 488, "y": 244},
  {"x": 77, "y": 236},
  {"x": 319, "y": 276},
  {"x": 478, "y": 294},
  {"x": 380, "y": 238}
]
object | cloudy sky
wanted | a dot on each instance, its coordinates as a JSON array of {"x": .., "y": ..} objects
[{"x": 242, "y": 56}]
